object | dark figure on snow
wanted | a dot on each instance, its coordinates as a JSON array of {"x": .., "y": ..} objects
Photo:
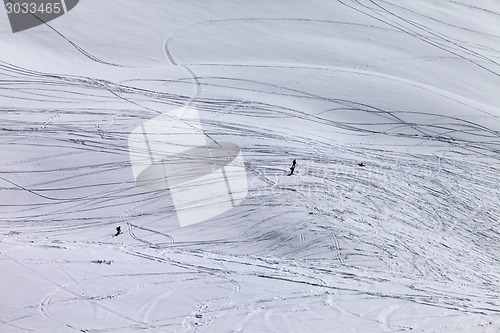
[
  {"x": 118, "y": 230},
  {"x": 361, "y": 164},
  {"x": 292, "y": 169}
]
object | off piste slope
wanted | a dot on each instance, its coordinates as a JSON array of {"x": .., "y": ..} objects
[{"x": 410, "y": 242}]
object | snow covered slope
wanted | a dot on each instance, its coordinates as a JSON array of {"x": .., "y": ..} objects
[{"x": 409, "y": 242}]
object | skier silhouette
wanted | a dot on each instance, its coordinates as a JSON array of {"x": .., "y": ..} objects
[
  {"x": 118, "y": 230},
  {"x": 292, "y": 169}
]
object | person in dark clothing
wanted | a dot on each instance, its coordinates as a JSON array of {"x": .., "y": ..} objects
[
  {"x": 292, "y": 169},
  {"x": 361, "y": 164},
  {"x": 118, "y": 230}
]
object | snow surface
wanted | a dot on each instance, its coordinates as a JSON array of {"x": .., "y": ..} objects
[{"x": 410, "y": 242}]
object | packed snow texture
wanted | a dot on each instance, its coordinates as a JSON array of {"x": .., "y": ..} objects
[{"x": 409, "y": 242}]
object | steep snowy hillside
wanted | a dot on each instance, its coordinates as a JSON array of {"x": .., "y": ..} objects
[{"x": 390, "y": 223}]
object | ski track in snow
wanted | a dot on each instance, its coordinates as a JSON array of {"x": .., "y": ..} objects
[{"x": 412, "y": 227}]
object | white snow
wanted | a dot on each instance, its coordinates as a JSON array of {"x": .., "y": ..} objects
[{"x": 410, "y": 242}]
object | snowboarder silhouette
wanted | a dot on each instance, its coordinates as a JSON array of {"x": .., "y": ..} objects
[
  {"x": 361, "y": 164},
  {"x": 292, "y": 169},
  {"x": 118, "y": 230}
]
